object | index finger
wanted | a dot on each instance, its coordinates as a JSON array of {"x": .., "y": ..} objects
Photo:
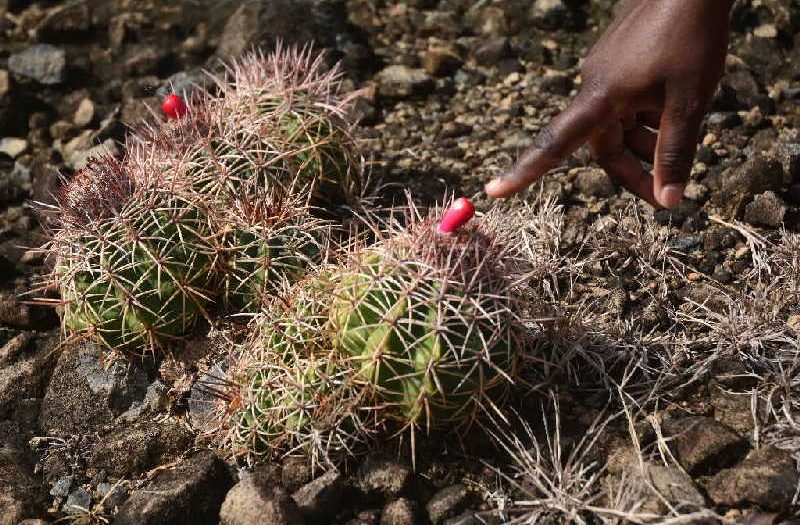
[{"x": 566, "y": 133}]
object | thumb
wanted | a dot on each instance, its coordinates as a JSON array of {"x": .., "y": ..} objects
[{"x": 675, "y": 148}]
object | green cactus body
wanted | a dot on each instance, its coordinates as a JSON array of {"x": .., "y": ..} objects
[
  {"x": 294, "y": 394},
  {"x": 261, "y": 258},
  {"x": 140, "y": 279},
  {"x": 424, "y": 338}
]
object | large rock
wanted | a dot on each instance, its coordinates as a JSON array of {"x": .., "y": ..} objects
[
  {"x": 189, "y": 494},
  {"x": 324, "y": 22},
  {"x": 402, "y": 511},
  {"x": 141, "y": 447},
  {"x": 383, "y": 476},
  {"x": 21, "y": 493},
  {"x": 767, "y": 478},
  {"x": 25, "y": 366},
  {"x": 85, "y": 394},
  {"x": 758, "y": 174},
  {"x": 257, "y": 500},
  {"x": 317, "y": 498},
  {"x": 447, "y": 503},
  {"x": 44, "y": 63},
  {"x": 66, "y": 22},
  {"x": 703, "y": 445}
]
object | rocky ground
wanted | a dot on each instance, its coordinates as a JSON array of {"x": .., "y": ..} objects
[{"x": 669, "y": 391}]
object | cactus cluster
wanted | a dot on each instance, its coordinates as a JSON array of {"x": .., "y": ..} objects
[
  {"x": 207, "y": 212},
  {"x": 420, "y": 327},
  {"x": 229, "y": 208}
]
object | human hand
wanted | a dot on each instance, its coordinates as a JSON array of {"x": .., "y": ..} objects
[{"x": 657, "y": 66}]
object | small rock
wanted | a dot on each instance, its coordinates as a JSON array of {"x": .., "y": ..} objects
[
  {"x": 741, "y": 87},
  {"x": 491, "y": 50},
  {"x": 756, "y": 175},
  {"x": 256, "y": 500},
  {"x": 61, "y": 487},
  {"x": 517, "y": 141},
  {"x": 766, "y": 209},
  {"x": 465, "y": 518},
  {"x": 42, "y": 62},
  {"x": 383, "y": 476},
  {"x": 21, "y": 493},
  {"x": 447, "y": 503},
  {"x": 111, "y": 496},
  {"x": 366, "y": 517},
  {"x": 723, "y": 120},
  {"x": 440, "y": 61},
  {"x": 16, "y": 184},
  {"x": 191, "y": 492},
  {"x": 77, "y": 501},
  {"x": 144, "y": 60},
  {"x": 767, "y": 478},
  {"x": 766, "y": 31},
  {"x": 595, "y": 183},
  {"x": 703, "y": 445},
  {"x": 84, "y": 114},
  {"x": 13, "y": 146},
  {"x": 400, "y": 512},
  {"x": 403, "y": 82},
  {"x": 672, "y": 487},
  {"x": 557, "y": 14},
  {"x": 695, "y": 191},
  {"x": 5, "y": 83},
  {"x": 316, "y": 499}
]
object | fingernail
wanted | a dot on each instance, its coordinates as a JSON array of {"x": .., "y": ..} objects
[
  {"x": 492, "y": 187},
  {"x": 671, "y": 195}
]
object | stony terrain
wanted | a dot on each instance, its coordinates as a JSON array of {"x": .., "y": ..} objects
[{"x": 667, "y": 387}]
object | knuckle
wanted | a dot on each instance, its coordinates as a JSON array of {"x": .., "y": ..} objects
[
  {"x": 675, "y": 160},
  {"x": 687, "y": 107}
]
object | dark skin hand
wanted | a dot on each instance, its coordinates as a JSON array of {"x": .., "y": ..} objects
[{"x": 656, "y": 67}]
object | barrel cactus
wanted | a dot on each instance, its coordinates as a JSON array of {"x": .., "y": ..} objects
[
  {"x": 134, "y": 257},
  {"x": 269, "y": 241},
  {"x": 289, "y": 393},
  {"x": 284, "y": 113},
  {"x": 430, "y": 320}
]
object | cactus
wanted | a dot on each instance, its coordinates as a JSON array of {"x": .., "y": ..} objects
[
  {"x": 283, "y": 126},
  {"x": 133, "y": 258},
  {"x": 430, "y": 320},
  {"x": 269, "y": 242},
  {"x": 289, "y": 392}
]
